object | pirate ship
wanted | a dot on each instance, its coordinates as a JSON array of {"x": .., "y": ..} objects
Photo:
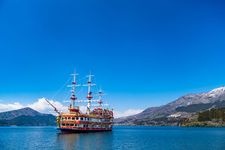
[{"x": 93, "y": 120}]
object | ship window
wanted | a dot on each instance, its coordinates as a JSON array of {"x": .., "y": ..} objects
[
  {"x": 75, "y": 125},
  {"x": 73, "y": 118},
  {"x": 81, "y": 118},
  {"x": 68, "y": 117},
  {"x": 63, "y": 124},
  {"x": 71, "y": 124},
  {"x": 77, "y": 118}
]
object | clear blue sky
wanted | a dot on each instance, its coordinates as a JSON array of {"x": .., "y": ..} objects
[{"x": 143, "y": 52}]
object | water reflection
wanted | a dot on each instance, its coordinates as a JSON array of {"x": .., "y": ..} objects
[
  {"x": 98, "y": 140},
  {"x": 68, "y": 141}
]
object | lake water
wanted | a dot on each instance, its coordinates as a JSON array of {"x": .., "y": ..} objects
[{"x": 121, "y": 138}]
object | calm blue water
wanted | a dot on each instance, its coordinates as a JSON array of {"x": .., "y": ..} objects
[{"x": 121, "y": 138}]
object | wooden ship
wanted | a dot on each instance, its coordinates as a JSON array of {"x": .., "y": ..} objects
[{"x": 93, "y": 120}]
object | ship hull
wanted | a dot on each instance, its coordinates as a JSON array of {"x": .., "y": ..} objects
[{"x": 68, "y": 130}]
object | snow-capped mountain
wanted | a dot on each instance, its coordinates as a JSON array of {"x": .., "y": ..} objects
[
  {"x": 216, "y": 92},
  {"x": 182, "y": 107}
]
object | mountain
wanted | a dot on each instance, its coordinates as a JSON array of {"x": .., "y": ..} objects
[
  {"x": 174, "y": 112},
  {"x": 20, "y": 112},
  {"x": 26, "y": 117}
]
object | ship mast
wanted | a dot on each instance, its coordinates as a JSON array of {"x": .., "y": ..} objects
[
  {"x": 89, "y": 95},
  {"x": 73, "y": 90},
  {"x": 100, "y": 94}
]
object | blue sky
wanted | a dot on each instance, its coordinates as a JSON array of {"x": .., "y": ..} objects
[{"x": 143, "y": 53}]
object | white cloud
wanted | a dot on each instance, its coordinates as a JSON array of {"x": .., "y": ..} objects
[
  {"x": 13, "y": 106},
  {"x": 42, "y": 106},
  {"x": 128, "y": 112}
]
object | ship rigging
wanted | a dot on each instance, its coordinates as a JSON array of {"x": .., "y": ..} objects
[{"x": 97, "y": 119}]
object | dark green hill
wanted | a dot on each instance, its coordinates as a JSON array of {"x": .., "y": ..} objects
[
  {"x": 214, "y": 117},
  {"x": 26, "y": 117}
]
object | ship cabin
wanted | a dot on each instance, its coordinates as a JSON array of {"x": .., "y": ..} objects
[{"x": 97, "y": 119}]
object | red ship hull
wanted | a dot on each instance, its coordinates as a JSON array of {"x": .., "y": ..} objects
[{"x": 86, "y": 130}]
